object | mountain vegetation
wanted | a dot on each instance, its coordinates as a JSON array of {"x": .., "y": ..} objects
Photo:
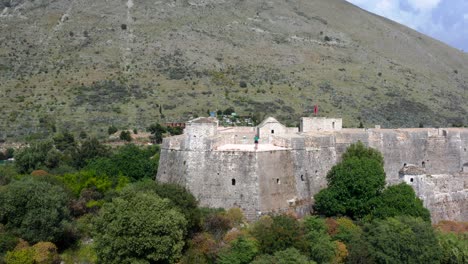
[{"x": 88, "y": 65}]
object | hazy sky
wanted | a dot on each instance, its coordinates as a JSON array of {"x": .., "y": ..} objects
[{"x": 446, "y": 20}]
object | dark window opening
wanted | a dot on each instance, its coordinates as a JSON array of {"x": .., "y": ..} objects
[
  {"x": 278, "y": 181},
  {"x": 444, "y": 133},
  {"x": 272, "y": 131},
  {"x": 302, "y": 177},
  {"x": 233, "y": 182},
  {"x": 411, "y": 180},
  {"x": 423, "y": 164},
  {"x": 333, "y": 125},
  {"x": 404, "y": 165},
  {"x": 185, "y": 162}
]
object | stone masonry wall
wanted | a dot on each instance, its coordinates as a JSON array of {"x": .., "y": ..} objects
[{"x": 274, "y": 181}]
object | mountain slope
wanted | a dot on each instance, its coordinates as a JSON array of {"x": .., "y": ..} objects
[{"x": 84, "y": 65}]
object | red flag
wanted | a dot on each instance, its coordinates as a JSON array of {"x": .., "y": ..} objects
[{"x": 315, "y": 109}]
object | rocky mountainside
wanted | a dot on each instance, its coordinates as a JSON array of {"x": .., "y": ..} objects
[{"x": 87, "y": 64}]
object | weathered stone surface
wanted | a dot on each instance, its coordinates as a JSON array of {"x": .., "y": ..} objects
[{"x": 288, "y": 175}]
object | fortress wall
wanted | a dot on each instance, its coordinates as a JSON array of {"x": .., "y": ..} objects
[
  {"x": 302, "y": 169},
  {"x": 280, "y": 142},
  {"x": 210, "y": 176},
  {"x": 276, "y": 180},
  {"x": 172, "y": 168},
  {"x": 233, "y": 138},
  {"x": 446, "y": 196}
]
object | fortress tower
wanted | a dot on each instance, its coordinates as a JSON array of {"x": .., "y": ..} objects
[{"x": 222, "y": 167}]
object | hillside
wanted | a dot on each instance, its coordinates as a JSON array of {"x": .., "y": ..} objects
[{"x": 85, "y": 65}]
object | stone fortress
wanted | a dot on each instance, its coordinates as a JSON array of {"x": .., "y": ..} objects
[{"x": 223, "y": 167}]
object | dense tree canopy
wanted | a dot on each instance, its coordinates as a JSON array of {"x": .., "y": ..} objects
[
  {"x": 278, "y": 233},
  {"x": 178, "y": 196},
  {"x": 129, "y": 160},
  {"x": 402, "y": 240},
  {"x": 352, "y": 183},
  {"x": 34, "y": 210},
  {"x": 139, "y": 228},
  {"x": 399, "y": 200},
  {"x": 287, "y": 256},
  {"x": 240, "y": 251}
]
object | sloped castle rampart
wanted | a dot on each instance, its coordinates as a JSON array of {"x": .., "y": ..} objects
[{"x": 223, "y": 167}]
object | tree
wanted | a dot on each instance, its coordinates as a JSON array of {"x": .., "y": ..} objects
[
  {"x": 240, "y": 251},
  {"x": 399, "y": 200},
  {"x": 179, "y": 197},
  {"x": 139, "y": 228},
  {"x": 129, "y": 160},
  {"x": 157, "y": 131},
  {"x": 278, "y": 233},
  {"x": 111, "y": 130},
  {"x": 34, "y": 210},
  {"x": 126, "y": 136},
  {"x": 287, "y": 256},
  {"x": 89, "y": 149},
  {"x": 352, "y": 183},
  {"x": 402, "y": 239},
  {"x": 33, "y": 157},
  {"x": 321, "y": 248},
  {"x": 64, "y": 141},
  {"x": 454, "y": 247}
]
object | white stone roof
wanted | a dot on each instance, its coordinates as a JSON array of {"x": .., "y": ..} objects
[{"x": 269, "y": 120}]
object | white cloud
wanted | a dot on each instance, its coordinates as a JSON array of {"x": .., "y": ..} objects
[
  {"x": 446, "y": 20},
  {"x": 424, "y": 4}
]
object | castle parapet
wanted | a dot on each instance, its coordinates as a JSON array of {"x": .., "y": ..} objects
[
  {"x": 309, "y": 124},
  {"x": 198, "y": 131}
]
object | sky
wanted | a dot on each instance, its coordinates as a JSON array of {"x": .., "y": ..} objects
[{"x": 445, "y": 20}]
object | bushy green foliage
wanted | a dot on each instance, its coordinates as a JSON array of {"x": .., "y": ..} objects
[
  {"x": 129, "y": 160},
  {"x": 7, "y": 173},
  {"x": 125, "y": 135},
  {"x": 352, "y": 183},
  {"x": 402, "y": 240},
  {"x": 7, "y": 242},
  {"x": 278, "y": 233},
  {"x": 321, "y": 248},
  {"x": 359, "y": 150},
  {"x": 111, "y": 130},
  {"x": 454, "y": 247},
  {"x": 34, "y": 210},
  {"x": 33, "y": 157},
  {"x": 64, "y": 141},
  {"x": 240, "y": 251},
  {"x": 179, "y": 197},
  {"x": 139, "y": 228},
  {"x": 157, "y": 131},
  {"x": 287, "y": 256},
  {"x": 78, "y": 181},
  {"x": 88, "y": 150},
  {"x": 399, "y": 200},
  {"x": 347, "y": 230},
  {"x": 20, "y": 256}
]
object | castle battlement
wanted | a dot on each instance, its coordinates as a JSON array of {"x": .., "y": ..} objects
[{"x": 223, "y": 167}]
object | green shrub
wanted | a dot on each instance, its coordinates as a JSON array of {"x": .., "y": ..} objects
[
  {"x": 34, "y": 210},
  {"x": 142, "y": 228},
  {"x": 126, "y": 136}
]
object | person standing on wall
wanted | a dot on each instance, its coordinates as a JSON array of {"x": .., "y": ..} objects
[{"x": 256, "y": 138}]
